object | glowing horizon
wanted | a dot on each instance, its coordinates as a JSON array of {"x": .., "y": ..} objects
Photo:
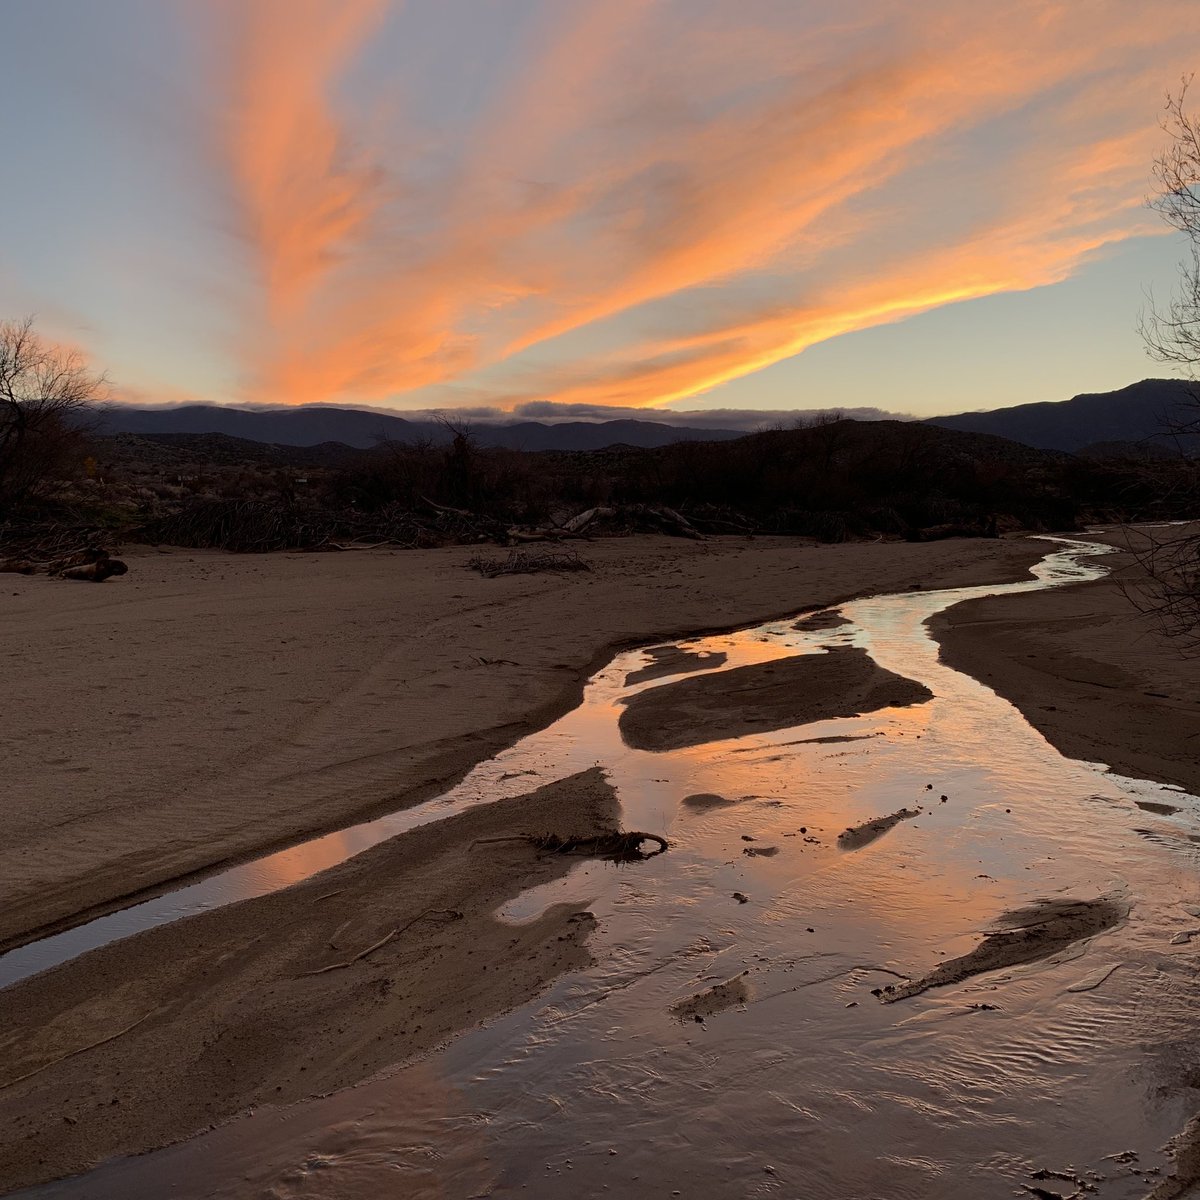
[{"x": 636, "y": 203}]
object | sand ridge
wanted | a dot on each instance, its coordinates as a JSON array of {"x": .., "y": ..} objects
[
  {"x": 291, "y": 995},
  {"x": 841, "y": 682}
]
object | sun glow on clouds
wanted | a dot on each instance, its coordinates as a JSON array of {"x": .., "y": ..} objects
[{"x": 645, "y": 199}]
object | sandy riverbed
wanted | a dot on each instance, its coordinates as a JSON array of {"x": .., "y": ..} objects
[
  {"x": 1096, "y": 678},
  {"x": 207, "y": 706},
  {"x": 286, "y": 694}
]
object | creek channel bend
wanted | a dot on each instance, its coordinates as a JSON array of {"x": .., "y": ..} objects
[{"x": 805, "y": 1085}]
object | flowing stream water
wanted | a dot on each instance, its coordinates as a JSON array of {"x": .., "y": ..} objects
[{"x": 1067, "y": 1074}]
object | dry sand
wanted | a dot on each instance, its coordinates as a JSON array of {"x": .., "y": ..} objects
[
  {"x": 842, "y": 682},
  {"x": 1096, "y": 678}
]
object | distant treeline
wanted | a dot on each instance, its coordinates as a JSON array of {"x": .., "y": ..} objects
[{"x": 832, "y": 480}]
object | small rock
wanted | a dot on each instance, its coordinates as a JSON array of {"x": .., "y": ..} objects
[{"x": 741, "y": 897}]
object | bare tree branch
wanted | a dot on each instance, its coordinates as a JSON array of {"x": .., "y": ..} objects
[{"x": 46, "y": 392}]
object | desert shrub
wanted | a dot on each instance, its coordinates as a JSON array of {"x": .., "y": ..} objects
[{"x": 527, "y": 561}]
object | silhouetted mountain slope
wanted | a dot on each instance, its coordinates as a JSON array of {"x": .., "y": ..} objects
[
  {"x": 1140, "y": 412},
  {"x": 362, "y": 428}
]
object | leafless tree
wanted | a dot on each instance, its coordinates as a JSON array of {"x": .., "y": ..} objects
[
  {"x": 1172, "y": 334},
  {"x": 1170, "y": 561},
  {"x": 46, "y": 393}
]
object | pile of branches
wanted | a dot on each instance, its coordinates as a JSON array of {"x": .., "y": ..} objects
[
  {"x": 608, "y": 519},
  {"x": 259, "y": 526},
  {"x": 527, "y": 562}
]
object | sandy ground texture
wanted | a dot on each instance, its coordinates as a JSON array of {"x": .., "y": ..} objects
[
  {"x": 293, "y": 995},
  {"x": 206, "y": 707},
  {"x": 1097, "y": 679},
  {"x": 842, "y": 682},
  {"x": 1022, "y": 936}
]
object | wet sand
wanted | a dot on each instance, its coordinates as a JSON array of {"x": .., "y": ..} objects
[
  {"x": 1096, "y": 678},
  {"x": 1025, "y": 935},
  {"x": 843, "y": 682},
  {"x": 292, "y": 995},
  {"x": 858, "y": 836},
  {"x": 672, "y": 660}
]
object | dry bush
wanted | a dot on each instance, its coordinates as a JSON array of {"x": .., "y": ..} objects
[{"x": 524, "y": 561}]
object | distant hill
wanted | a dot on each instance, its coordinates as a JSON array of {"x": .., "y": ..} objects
[
  {"x": 1139, "y": 413},
  {"x": 361, "y": 428}
]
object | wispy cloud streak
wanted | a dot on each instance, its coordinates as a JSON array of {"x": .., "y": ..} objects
[{"x": 654, "y": 198}]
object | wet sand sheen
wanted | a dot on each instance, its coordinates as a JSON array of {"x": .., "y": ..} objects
[
  {"x": 375, "y": 960},
  {"x": 840, "y": 682},
  {"x": 1024, "y": 935}
]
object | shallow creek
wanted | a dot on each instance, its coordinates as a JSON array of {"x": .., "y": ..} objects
[{"x": 806, "y": 1084}]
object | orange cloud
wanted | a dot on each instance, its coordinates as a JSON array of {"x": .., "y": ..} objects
[{"x": 644, "y": 168}]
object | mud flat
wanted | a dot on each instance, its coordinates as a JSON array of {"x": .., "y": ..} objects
[
  {"x": 673, "y": 660},
  {"x": 841, "y": 682}
]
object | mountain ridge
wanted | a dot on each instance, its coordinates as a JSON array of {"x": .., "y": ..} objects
[
  {"x": 1141, "y": 412},
  {"x": 364, "y": 428}
]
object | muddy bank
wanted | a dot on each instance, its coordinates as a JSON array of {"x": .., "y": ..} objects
[
  {"x": 206, "y": 706},
  {"x": 1095, "y": 677},
  {"x": 1024, "y": 935},
  {"x": 712, "y": 1000},
  {"x": 858, "y": 836},
  {"x": 296, "y": 994},
  {"x": 757, "y": 699}
]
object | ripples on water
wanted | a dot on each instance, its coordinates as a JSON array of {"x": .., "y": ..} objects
[{"x": 810, "y": 1087}]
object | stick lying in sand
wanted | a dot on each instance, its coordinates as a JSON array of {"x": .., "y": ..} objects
[
  {"x": 112, "y": 1037},
  {"x": 453, "y": 914}
]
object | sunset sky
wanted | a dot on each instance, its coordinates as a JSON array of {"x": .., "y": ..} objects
[{"x": 760, "y": 204}]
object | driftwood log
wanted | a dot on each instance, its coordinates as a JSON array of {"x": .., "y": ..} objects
[{"x": 95, "y": 572}]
